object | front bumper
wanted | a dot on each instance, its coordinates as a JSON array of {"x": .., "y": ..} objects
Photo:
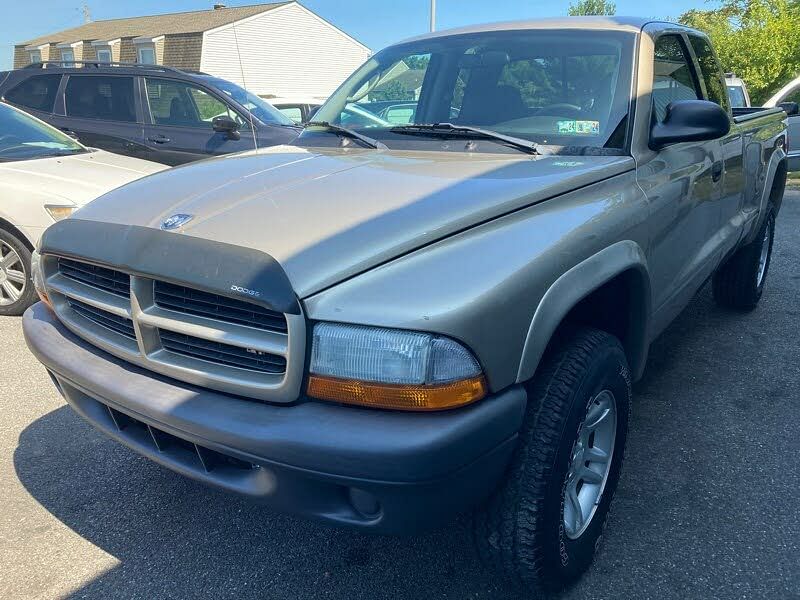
[{"x": 384, "y": 471}]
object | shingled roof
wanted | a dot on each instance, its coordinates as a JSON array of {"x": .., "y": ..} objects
[{"x": 154, "y": 25}]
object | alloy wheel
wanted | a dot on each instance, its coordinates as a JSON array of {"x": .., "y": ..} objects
[
  {"x": 13, "y": 277},
  {"x": 590, "y": 464}
]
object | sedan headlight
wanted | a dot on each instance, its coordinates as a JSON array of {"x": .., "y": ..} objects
[
  {"x": 391, "y": 368},
  {"x": 60, "y": 211}
]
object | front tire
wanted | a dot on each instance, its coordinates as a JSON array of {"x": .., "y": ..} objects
[
  {"x": 739, "y": 283},
  {"x": 541, "y": 529},
  {"x": 16, "y": 288}
]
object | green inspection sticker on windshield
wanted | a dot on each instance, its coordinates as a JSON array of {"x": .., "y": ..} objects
[{"x": 578, "y": 127}]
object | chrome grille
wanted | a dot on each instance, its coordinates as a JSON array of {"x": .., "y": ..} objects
[
  {"x": 109, "y": 280},
  {"x": 213, "y": 306},
  {"x": 117, "y": 324},
  {"x": 205, "y": 339}
]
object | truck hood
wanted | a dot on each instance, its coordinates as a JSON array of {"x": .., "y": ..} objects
[
  {"x": 80, "y": 178},
  {"x": 327, "y": 215}
]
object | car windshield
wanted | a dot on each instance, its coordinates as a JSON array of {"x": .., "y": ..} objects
[
  {"x": 23, "y": 138},
  {"x": 736, "y": 95},
  {"x": 554, "y": 87},
  {"x": 262, "y": 110}
]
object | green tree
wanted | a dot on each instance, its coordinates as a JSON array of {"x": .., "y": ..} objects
[
  {"x": 757, "y": 39},
  {"x": 592, "y": 7}
]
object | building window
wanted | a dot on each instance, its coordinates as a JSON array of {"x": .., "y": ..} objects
[
  {"x": 104, "y": 55},
  {"x": 35, "y": 56},
  {"x": 147, "y": 55},
  {"x": 68, "y": 58}
]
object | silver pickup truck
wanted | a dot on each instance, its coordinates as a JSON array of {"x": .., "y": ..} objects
[{"x": 395, "y": 321}]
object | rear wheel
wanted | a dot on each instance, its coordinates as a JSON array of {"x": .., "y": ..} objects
[
  {"x": 739, "y": 283},
  {"x": 16, "y": 287},
  {"x": 542, "y": 528}
]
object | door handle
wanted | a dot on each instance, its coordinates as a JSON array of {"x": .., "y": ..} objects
[
  {"x": 159, "y": 139},
  {"x": 716, "y": 171}
]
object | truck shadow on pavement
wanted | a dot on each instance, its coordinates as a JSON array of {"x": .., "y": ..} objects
[
  {"x": 177, "y": 538},
  {"x": 709, "y": 373}
]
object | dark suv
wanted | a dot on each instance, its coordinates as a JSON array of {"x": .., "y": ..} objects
[{"x": 147, "y": 111}]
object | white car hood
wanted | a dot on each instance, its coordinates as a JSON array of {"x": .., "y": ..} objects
[{"x": 79, "y": 179}]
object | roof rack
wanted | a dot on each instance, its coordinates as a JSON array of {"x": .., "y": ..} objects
[{"x": 97, "y": 64}]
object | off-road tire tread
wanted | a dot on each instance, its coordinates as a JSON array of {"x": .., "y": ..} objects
[
  {"x": 512, "y": 516},
  {"x": 733, "y": 284}
]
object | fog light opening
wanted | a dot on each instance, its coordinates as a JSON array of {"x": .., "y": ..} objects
[{"x": 365, "y": 503}]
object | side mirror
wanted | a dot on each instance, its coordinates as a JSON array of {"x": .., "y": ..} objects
[
  {"x": 690, "y": 121},
  {"x": 225, "y": 124},
  {"x": 790, "y": 108}
]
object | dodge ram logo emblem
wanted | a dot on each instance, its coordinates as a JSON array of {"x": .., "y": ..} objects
[{"x": 176, "y": 221}]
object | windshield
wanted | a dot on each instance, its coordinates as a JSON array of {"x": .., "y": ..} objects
[
  {"x": 559, "y": 87},
  {"x": 23, "y": 138},
  {"x": 262, "y": 110},
  {"x": 736, "y": 95}
]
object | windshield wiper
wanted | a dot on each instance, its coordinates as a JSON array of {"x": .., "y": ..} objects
[
  {"x": 449, "y": 128},
  {"x": 351, "y": 133}
]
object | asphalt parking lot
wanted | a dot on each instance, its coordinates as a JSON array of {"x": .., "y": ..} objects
[{"x": 707, "y": 506}]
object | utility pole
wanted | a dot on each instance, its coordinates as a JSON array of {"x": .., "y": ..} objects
[{"x": 433, "y": 15}]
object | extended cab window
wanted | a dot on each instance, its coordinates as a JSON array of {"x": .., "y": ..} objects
[
  {"x": 98, "y": 97},
  {"x": 673, "y": 78},
  {"x": 180, "y": 104},
  {"x": 711, "y": 72},
  {"x": 37, "y": 93}
]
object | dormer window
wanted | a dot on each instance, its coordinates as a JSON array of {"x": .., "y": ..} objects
[
  {"x": 147, "y": 55},
  {"x": 146, "y": 49},
  {"x": 104, "y": 50}
]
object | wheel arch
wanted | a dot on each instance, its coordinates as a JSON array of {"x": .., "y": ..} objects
[
  {"x": 774, "y": 187},
  {"x": 609, "y": 290},
  {"x": 16, "y": 232}
]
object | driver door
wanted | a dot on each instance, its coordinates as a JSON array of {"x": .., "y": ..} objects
[
  {"x": 178, "y": 123},
  {"x": 683, "y": 185}
]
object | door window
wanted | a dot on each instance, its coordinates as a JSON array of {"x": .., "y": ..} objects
[
  {"x": 295, "y": 113},
  {"x": 793, "y": 96},
  {"x": 180, "y": 104},
  {"x": 38, "y": 92},
  {"x": 673, "y": 78},
  {"x": 97, "y": 97},
  {"x": 711, "y": 72},
  {"x": 736, "y": 96}
]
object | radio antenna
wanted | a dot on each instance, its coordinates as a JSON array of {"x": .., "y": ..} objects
[{"x": 244, "y": 85}]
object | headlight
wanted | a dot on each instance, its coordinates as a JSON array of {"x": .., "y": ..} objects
[
  {"x": 59, "y": 212},
  {"x": 390, "y": 368}
]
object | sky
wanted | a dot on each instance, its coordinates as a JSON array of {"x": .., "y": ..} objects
[{"x": 376, "y": 23}]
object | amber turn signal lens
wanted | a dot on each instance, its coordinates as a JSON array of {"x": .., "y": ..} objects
[
  {"x": 397, "y": 397},
  {"x": 46, "y": 299}
]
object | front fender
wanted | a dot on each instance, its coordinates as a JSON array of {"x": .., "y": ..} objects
[
  {"x": 483, "y": 286},
  {"x": 578, "y": 283}
]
